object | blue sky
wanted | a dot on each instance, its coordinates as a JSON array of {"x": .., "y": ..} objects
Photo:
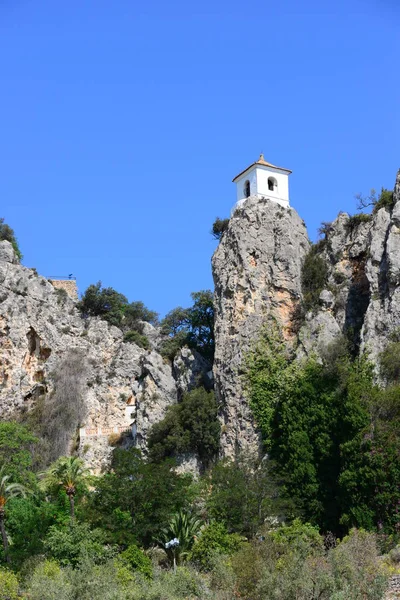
[{"x": 123, "y": 123}]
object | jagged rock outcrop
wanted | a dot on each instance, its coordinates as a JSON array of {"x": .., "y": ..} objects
[
  {"x": 257, "y": 274},
  {"x": 40, "y": 327},
  {"x": 191, "y": 370},
  {"x": 363, "y": 260},
  {"x": 257, "y": 270}
]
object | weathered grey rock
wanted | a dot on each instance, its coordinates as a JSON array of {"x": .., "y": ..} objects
[
  {"x": 191, "y": 370},
  {"x": 257, "y": 274},
  {"x": 326, "y": 300},
  {"x": 7, "y": 253},
  {"x": 122, "y": 383}
]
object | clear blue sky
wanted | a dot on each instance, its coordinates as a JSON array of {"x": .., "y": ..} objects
[{"x": 123, "y": 123}]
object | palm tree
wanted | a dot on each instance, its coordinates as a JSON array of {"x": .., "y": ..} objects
[
  {"x": 184, "y": 527},
  {"x": 7, "y": 490},
  {"x": 66, "y": 472}
]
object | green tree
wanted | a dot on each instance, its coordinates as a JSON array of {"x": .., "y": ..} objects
[
  {"x": 7, "y": 490},
  {"x": 17, "y": 452},
  {"x": 243, "y": 494},
  {"x": 214, "y": 539},
  {"x": 114, "y": 307},
  {"x": 136, "y": 499},
  {"x": 190, "y": 426},
  {"x": 67, "y": 473},
  {"x": 192, "y": 326},
  {"x": 219, "y": 227}
]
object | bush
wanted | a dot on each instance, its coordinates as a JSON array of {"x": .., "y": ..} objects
[
  {"x": 314, "y": 275},
  {"x": 389, "y": 361},
  {"x": 6, "y": 233},
  {"x": 385, "y": 200},
  {"x": 8, "y": 585},
  {"x": 137, "y": 560},
  {"x": 114, "y": 307},
  {"x": 137, "y": 338},
  {"x": 219, "y": 227},
  {"x": 70, "y": 543},
  {"x": 214, "y": 539},
  {"x": 190, "y": 426},
  {"x": 355, "y": 220},
  {"x": 50, "y": 582}
]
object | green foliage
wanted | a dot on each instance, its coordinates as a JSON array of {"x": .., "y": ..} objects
[
  {"x": 292, "y": 564},
  {"x": 137, "y": 560},
  {"x": 192, "y": 326},
  {"x": 137, "y": 338},
  {"x": 67, "y": 473},
  {"x": 190, "y": 426},
  {"x": 243, "y": 495},
  {"x": 114, "y": 307},
  {"x": 314, "y": 276},
  {"x": 136, "y": 500},
  {"x": 389, "y": 360},
  {"x": 9, "y": 586},
  {"x": 17, "y": 449},
  {"x": 214, "y": 539},
  {"x": 28, "y": 520},
  {"x": 50, "y": 582},
  {"x": 69, "y": 544},
  {"x": 385, "y": 200},
  {"x": 185, "y": 527},
  {"x": 316, "y": 423},
  {"x": 355, "y": 220},
  {"x": 6, "y": 233},
  {"x": 219, "y": 227}
]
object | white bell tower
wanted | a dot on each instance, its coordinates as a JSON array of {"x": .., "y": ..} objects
[{"x": 262, "y": 180}]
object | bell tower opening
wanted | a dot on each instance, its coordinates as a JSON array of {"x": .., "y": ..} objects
[
  {"x": 272, "y": 184},
  {"x": 246, "y": 189}
]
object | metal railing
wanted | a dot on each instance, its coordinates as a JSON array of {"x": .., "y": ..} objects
[{"x": 62, "y": 277}]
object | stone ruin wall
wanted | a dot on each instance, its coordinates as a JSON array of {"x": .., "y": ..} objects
[{"x": 69, "y": 285}]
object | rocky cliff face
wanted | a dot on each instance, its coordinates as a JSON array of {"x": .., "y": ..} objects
[
  {"x": 43, "y": 337},
  {"x": 257, "y": 273}
]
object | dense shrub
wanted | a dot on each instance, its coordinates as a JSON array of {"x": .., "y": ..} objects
[
  {"x": 137, "y": 560},
  {"x": 6, "y": 233},
  {"x": 190, "y": 426},
  {"x": 192, "y": 326},
  {"x": 214, "y": 539},
  {"x": 9, "y": 586},
  {"x": 389, "y": 360},
  {"x": 137, "y": 338},
  {"x": 219, "y": 227},
  {"x": 114, "y": 307},
  {"x": 314, "y": 274},
  {"x": 72, "y": 542},
  {"x": 346, "y": 473},
  {"x": 385, "y": 200},
  {"x": 355, "y": 220}
]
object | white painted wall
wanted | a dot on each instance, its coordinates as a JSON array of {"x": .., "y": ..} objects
[{"x": 258, "y": 176}]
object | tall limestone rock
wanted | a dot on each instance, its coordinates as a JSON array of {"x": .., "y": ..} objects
[{"x": 257, "y": 273}]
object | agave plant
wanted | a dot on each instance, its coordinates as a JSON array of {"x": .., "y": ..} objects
[
  {"x": 183, "y": 527},
  {"x": 67, "y": 472},
  {"x": 7, "y": 490}
]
